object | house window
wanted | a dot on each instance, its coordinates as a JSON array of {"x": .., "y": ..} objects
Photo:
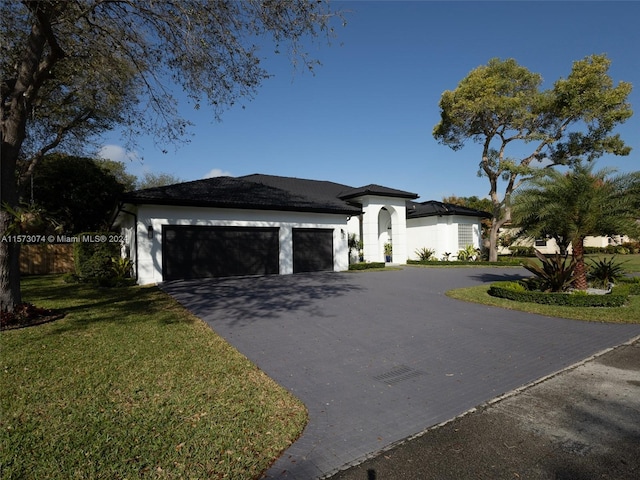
[
  {"x": 541, "y": 242},
  {"x": 465, "y": 235}
]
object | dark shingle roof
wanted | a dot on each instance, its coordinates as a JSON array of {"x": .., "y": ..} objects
[
  {"x": 269, "y": 192},
  {"x": 373, "y": 189},
  {"x": 261, "y": 192},
  {"x": 432, "y": 208}
]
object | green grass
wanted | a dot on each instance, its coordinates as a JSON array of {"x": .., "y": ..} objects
[
  {"x": 630, "y": 313},
  {"x": 130, "y": 385}
]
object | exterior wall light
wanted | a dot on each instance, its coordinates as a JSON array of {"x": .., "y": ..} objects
[{"x": 150, "y": 232}]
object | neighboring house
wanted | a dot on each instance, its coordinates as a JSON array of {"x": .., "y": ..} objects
[
  {"x": 263, "y": 224},
  {"x": 548, "y": 246}
]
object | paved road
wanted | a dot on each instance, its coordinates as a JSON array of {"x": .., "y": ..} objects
[
  {"x": 380, "y": 356},
  {"x": 581, "y": 424}
]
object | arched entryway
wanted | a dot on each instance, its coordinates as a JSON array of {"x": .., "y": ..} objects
[
  {"x": 384, "y": 222},
  {"x": 385, "y": 230}
]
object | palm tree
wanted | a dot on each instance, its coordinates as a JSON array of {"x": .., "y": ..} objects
[{"x": 570, "y": 206}]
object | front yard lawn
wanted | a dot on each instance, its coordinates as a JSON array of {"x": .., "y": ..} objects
[{"x": 130, "y": 385}]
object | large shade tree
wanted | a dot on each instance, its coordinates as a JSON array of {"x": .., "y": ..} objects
[
  {"x": 77, "y": 193},
  {"x": 573, "y": 205},
  {"x": 522, "y": 128},
  {"x": 72, "y": 69}
]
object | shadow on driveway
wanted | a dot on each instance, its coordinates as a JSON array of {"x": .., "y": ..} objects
[
  {"x": 246, "y": 300},
  {"x": 486, "y": 277}
]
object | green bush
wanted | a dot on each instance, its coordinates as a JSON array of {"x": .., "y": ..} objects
[
  {"x": 70, "y": 278},
  {"x": 425, "y": 254},
  {"x": 500, "y": 263},
  {"x": 617, "y": 250},
  {"x": 515, "y": 286},
  {"x": 468, "y": 254},
  {"x": 366, "y": 265},
  {"x": 633, "y": 283},
  {"x": 507, "y": 290},
  {"x": 633, "y": 247},
  {"x": 555, "y": 274},
  {"x": 604, "y": 271},
  {"x": 624, "y": 249},
  {"x": 521, "y": 251},
  {"x": 93, "y": 259},
  {"x": 426, "y": 262}
]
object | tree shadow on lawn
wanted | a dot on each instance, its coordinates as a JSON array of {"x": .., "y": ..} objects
[
  {"x": 240, "y": 301},
  {"x": 124, "y": 305}
]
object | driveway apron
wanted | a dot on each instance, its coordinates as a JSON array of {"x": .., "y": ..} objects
[{"x": 378, "y": 357}]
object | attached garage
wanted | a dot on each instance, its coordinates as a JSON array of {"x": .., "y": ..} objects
[
  {"x": 312, "y": 250},
  {"x": 200, "y": 252},
  {"x": 250, "y": 225}
]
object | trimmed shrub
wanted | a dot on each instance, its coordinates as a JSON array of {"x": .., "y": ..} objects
[
  {"x": 93, "y": 259},
  {"x": 501, "y": 263},
  {"x": 507, "y": 290},
  {"x": 633, "y": 283},
  {"x": 426, "y": 262},
  {"x": 366, "y": 265},
  {"x": 522, "y": 251}
]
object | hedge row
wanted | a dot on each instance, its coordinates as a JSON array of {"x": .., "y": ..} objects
[
  {"x": 366, "y": 265},
  {"x": 501, "y": 263},
  {"x": 624, "y": 249},
  {"x": 516, "y": 292},
  {"x": 633, "y": 283}
]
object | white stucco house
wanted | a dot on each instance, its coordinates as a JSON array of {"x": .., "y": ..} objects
[
  {"x": 263, "y": 224},
  {"x": 549, "y": 246}
]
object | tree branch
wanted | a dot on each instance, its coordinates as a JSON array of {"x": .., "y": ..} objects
[{"x": 61, "y": 132}]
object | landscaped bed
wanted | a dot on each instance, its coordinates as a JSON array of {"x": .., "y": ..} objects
[
  {"x": 628, "y": 313},
  {"x": 515, "y": 291},
  {"x": 614, "y": 296},
  {"x": 130, "y": 385}
]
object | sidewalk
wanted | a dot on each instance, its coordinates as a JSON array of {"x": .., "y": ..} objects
[{"x": 583, "y": 423}]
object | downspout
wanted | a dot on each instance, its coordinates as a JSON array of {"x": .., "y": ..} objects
[{"x": 135, "y": 232}]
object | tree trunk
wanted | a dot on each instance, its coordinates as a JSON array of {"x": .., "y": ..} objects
[
  {"x": 13, "y": 133},
  {"x": 493, "y": 239},
  {"x": 9, "y": 249},
  {"x": 13, "y": 120},
  {"x": 9, "y": 272},
  {"x": 580, "y": 275}
]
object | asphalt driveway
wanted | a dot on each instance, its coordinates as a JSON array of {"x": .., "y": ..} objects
[{"x": 378, "y": 357}]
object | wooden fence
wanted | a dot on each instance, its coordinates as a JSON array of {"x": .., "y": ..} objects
[{"x": 44, "y": 259}]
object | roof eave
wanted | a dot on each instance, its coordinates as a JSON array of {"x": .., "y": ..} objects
[{"x": 243, "y": 206}]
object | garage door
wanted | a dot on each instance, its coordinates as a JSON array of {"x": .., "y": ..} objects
[
  {"x": 199, "y": 252},
  {"x": 312, "y": 250}
]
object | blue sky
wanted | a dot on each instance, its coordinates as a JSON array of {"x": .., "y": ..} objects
[{"x": 367, "y": 114}]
